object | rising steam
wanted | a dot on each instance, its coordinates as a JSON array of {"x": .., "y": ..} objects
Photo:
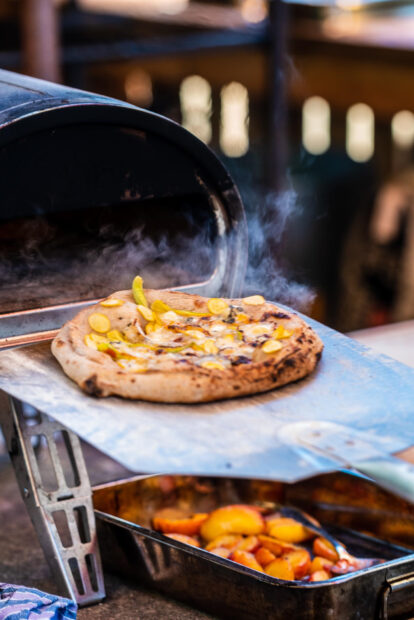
[
  {"x": 267, "y": 272},
  {"x": 47, "y": 262}
]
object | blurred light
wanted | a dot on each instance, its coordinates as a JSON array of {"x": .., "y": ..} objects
[
  {"x": 138, "y": 88},
  {"x": 402, "y": 129},
  {"x": 316, "y": 125},
  {"x": 171, "y": 7},
  {"x": 234, "y": 125},
  {"x": 343, "y": 25},
  {"x": 254, "y": 11},
  {"x": 360, "y": 132},
  {"x": 349, "y": 5},
  {"x": 137, "y": 7},
  {"x": 195, "y": 100}
]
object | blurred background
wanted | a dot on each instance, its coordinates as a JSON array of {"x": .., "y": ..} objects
[{"x": 310, "y": 106}]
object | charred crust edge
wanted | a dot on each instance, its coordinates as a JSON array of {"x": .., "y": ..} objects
[{"x": 90, "y": 386}]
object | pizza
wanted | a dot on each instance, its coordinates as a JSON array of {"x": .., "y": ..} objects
[{"x": 173, "y": 347}]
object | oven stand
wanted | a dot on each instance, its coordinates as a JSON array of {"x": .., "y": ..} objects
[{"x": 58, "y": 498}]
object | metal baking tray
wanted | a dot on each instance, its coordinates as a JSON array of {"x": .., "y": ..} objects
[{"x": 229, "y": 590}]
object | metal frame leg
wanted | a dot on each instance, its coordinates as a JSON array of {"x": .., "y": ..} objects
[{"x": 63, "y": 517}]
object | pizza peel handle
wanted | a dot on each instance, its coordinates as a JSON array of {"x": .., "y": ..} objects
[
  {"x": 390, "y": 473},
  {"x": 362, "y": 451}
]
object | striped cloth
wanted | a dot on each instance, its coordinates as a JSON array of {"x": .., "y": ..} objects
[{"x": 19, "y": 603}]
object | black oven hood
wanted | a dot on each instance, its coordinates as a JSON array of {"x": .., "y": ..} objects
[{"x": 94, "y": 190}]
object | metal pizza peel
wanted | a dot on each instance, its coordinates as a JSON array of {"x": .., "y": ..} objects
[{"x": 352, "y": 386}]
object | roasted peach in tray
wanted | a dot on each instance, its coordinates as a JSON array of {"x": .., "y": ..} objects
[{"x": 270, "y": 543}]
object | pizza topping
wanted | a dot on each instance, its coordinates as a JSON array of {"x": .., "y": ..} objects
[
  {"x": 97, "y": 338},
  {"x": 110, "y": 349},
  {"x": 225, "y": 341},
  {"x": 218, "y": 306},
  {"x": 150, "y": 328},
  {"x": 211, "y": 364},
  {"x": 112, "y": 302},
  {"x": 138, "y": 291},
  {"x": 99, "y": 322},
  {"x": 146, "y": 312},
  {"x": 88, "y": 340},
  {"x": 242, "y": 318},
  {"x": 218, "y": 327},
  {"x": 253, "y": 330},
  {"x": 134, "y": 365},
  {"x": 172, "y": 349},
  {"x": 224, "y": 336},
  {"x": 161, "y": 307},
  {"x": 115, "y": 334},
  {"x": 162, "y": 336},
  {"x": 209, "y": 347},
  {"x": 254, "y": 300},
  {"x": 133, "y": 332},
  {"x": 271, "y": 346},
  {"x": 169, "y": 317},
  {"x": 190, "y": 313},
  {"x": 195, "y": 333},
  {"x": 280, "y": 333}
]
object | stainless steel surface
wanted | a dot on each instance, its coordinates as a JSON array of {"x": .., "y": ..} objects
[
  {"x": 352, "y": 386},
  {"x": 348, "y": 447},
  {"x": 61, "y": 511},
  {"x": 223, "y": 587},
  {"x": 17, "y": 328},
  {"x": 402, "y": 588}
]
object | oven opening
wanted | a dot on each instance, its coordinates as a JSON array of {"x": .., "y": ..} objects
[{"x": 81, "y": 254}]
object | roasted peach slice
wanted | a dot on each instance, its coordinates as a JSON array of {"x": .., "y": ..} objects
[
  {"x": 320, "y": 575},
  {"x": 250, "y": 544},
  {"x": 233, "y": 519},
  {"x": 264, "y": 556},
  {"x": 300, "y": 561},
  {"x": 323, "y": 547},
  {"x": 229, "y": 541},
  {"x": 247, "y": 559},
  {"x": 275, "y": 546},
  {"x": 281, "y": 569},
  {"x": 287, "y": 529},
  {"x": 221, "y": 551},
  {"x": 189, "y": 540},
  {"x": 188, "y": 526},
  {"x": 319, "y": 563}
]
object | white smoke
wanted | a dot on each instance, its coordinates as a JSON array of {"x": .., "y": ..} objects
[
  {"x": 44, "y": 272},
  {"x": 267, "y": 272},
  {"x": 47, "y": 269}
]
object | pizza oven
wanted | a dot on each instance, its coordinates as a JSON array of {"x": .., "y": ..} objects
[{"x": 94, "y": 191}]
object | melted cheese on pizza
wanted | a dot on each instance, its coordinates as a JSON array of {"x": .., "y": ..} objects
[{"x": 159, "y": 337}]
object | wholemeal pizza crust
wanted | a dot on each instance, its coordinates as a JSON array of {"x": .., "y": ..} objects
[{"x": 98, "y": 375}]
